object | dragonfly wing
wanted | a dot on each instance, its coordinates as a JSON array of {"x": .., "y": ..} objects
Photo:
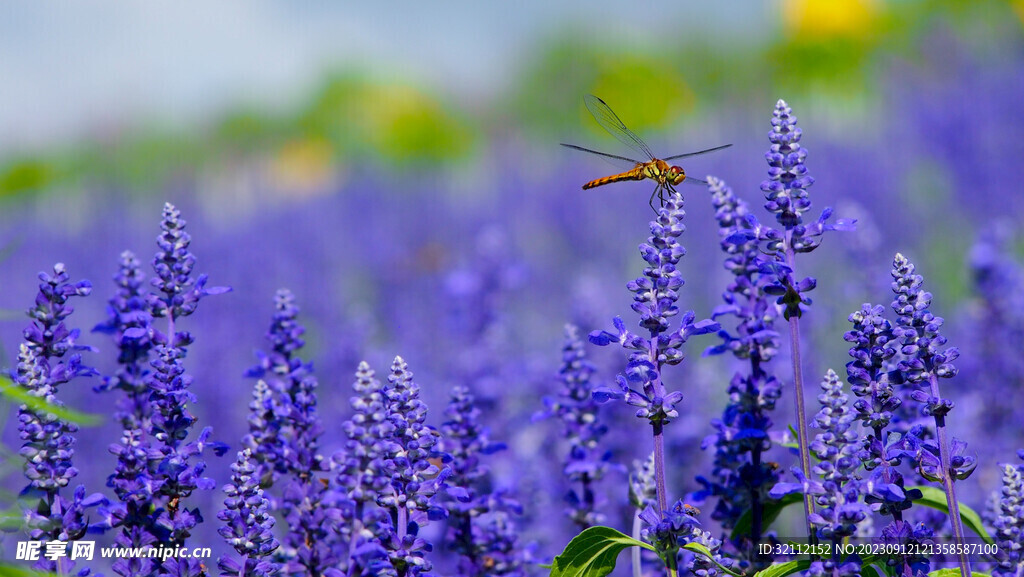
[
  {"x": 604, "y": 154},
  {"x": 689, "y": 154},
  {"x": 609, "y": 121},
  {"x": 697, "y": 181}
]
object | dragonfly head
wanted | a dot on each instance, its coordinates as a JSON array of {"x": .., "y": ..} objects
[{"x": 676, "y": 175}]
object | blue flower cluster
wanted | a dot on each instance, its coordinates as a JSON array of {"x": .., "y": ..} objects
[
  {"x": 586, "y": 464},
  {"x": 48, "y": 360},
  {"x": 284, "y": 440},
  {"x": 741, "y": 477},
  {"x": 655, "y": 296}
]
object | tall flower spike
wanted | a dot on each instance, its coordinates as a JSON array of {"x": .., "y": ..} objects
[
  {"x": 925, "y": 362},
  {"x": 655, "y": 296},
  {"x": 1009, "y": 522},
  {"x": 247, "y": 523},
  {"x": 741, "y": 477},
  {"x": 578, "y": 411},
  {"x": 788, "y": 181},
  {"x": 176, "y": 465},
  {"x": 360, "y": 469},
  {"x": 839, "y": 508},
  {"x": 173, "y": 265},
  {"x": 415, "y": 479},
  {"x": 786, "y": 197},
  {"x": 871, "y": 380},
  {"x": 46, "y": 361},
  {"x": 480, "y": 528},
  {"x": 128, "y": 321},
  {"x": 284, "y": 435}
]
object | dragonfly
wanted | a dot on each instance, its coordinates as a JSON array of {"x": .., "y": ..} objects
[{"x": 657, "y": 169}]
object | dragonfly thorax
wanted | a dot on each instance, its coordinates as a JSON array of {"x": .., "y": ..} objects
[{"x": 660, "y": 171}]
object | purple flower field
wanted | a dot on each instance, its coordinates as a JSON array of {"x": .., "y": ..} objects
[{"x": 404, "y": 379}]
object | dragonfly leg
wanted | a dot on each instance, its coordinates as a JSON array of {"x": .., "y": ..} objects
[{"x": 650, "y": 202}]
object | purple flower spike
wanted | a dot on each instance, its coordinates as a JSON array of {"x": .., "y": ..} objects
[
  {"x": 480, "y": 526},
  {"x": 788, "y": 181},
  {"x": 173, "y": 265},
  {"x": 247, "y": 522},
  {"x": 1009, "y": 522},
  {"x": 284, "y": 437},
  {"x": 360, "y": 473},
  {"x": 839, "y": 508},
  {"x": 577, "y": 406},
  {"x": 175, "y": 464},
  {"x": 414, "y": 478},
  {"x": 925, "y": 362},
  {"x": 741, "y": 477},
  {"x": 46, "y": 361},
  {"x": 655, "y": 296}
]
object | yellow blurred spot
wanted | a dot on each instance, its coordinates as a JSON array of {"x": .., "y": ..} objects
[
  {"x": 1018, "y": 9},
  {"x": 406, "y": 124},
  {"x": 302, "y": 166},
  {"x": 818, "y": 19}
]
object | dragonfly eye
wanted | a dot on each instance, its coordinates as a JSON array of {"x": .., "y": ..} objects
[{"x": 675, "y": 170}]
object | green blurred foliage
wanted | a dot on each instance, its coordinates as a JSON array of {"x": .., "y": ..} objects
[
  {"x": 18, "y": 394},
  {"x": 833, "y": 52},
  {"x": 25, "y": 175},
  {"x": 396, "y": 123}
]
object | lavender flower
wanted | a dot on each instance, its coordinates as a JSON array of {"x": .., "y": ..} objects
[
  {"x": 47, "y": 440},
  {"x": 578, "y": 411},
  {"x": 786, "y": 195},
  {"x": 839, "y": 508},
  {"x": 910, "y": 538},
  {"x": 360, "y": 468},
  {"x": 926, "y": 362},
  {"x": 480, "y": 528},
  {"x": 173, "y": 265},
  {"x": 871, "y": 379},
  {"x": 128, "y": 320},
  {"x": 669, "y": 530},
  {"x": 247, "y": 523},
  {"x": 740, "y": 477},
  {"x": 1009, "y": 522},
  {"x": 655, "y": 296},
  {"x": 284, "y": 433},
  {"x": 414, "y": 478},
  {"x": 175, "y": 475}
]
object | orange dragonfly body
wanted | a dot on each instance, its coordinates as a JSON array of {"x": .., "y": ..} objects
[{"x": 661, "y": 172}]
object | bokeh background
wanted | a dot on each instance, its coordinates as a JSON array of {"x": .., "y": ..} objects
[{"x": 397, "y": 167}]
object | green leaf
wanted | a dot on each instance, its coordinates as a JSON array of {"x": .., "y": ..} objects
[
  {"x": 936, "y": 499},
  {"x": 955, "y": 572},
  {"x": 876, "y": 571},
  {"x": 18, "y": 394},
  {"x": 769, "y": 512},
  {"x": 593, "y": 552},
  {"x": 8, "y": 570},
  {"x": 782, "y": 569},
  {"x": 702, "y": 550}
]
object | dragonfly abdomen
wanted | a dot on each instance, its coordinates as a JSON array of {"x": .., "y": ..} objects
[{"x": 635, "y": 174}]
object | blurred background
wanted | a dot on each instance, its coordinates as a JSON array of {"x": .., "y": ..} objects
[{"x": 397, "y": 167}]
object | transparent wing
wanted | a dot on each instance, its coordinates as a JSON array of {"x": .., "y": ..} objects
[
  {"x": 609, "y": 121},
  {"x": 689, "y": 154},
  {"x": 697, "y": 181},
  {"x": 604, "y": 154}
]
